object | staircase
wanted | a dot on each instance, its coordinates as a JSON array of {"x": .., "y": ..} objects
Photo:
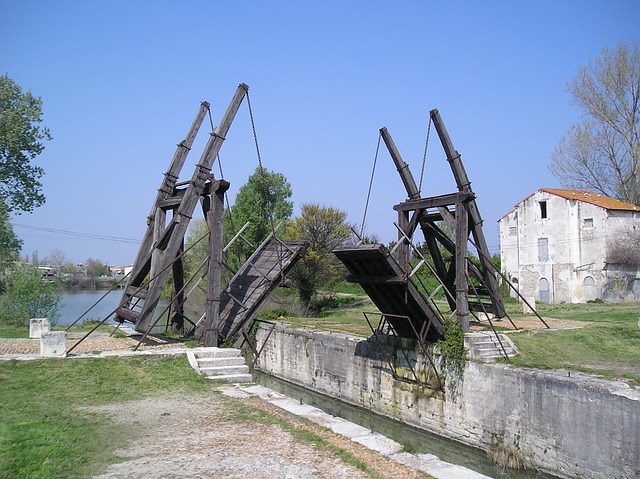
[
  {"x": 485, "y": 347},
  {"x": 220, "y": 364}
]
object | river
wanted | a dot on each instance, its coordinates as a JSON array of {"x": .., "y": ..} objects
[{"x": 74, "y": 303}]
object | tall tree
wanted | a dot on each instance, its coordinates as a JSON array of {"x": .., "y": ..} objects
[
  {"x": 325, "y": 229},
  {"x": 263, "y": 201},
  {"x": 603, "y": 152},
  {"x": 9, "y": 244},
  {"x": 21, "y": 140}
]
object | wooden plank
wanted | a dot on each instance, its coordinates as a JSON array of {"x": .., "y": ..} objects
[
  {"x": 374, "y": 261},
  {"x": 248, "y": 290}
]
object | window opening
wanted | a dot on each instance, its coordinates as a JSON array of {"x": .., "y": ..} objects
[{"x": 543, "y": 209}]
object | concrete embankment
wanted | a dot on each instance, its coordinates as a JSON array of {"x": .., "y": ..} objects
[{"x": 566, "y": 425}]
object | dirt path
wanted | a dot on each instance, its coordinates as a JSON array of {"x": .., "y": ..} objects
[{"x": 208, "y": 435}]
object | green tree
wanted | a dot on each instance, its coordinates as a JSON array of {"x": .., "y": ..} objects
[
  {"x": 21, "y": 140},
  {"x": 28, "y": 296},
  {"x": 9, "y": 245},
  {"x": 263, "y": 201},
  {"x": 325, "y": 229},
  {"x": 603, "y": 152},
  {"x": 95, "y": 268}
]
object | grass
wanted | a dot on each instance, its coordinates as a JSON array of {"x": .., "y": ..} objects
[{"x": 42, "y": 432}]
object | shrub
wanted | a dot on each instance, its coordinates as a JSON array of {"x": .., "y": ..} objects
[{"x": 28, "y": 296}]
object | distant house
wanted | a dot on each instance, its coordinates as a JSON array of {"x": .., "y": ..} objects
[{"x": 572, "y": 246}]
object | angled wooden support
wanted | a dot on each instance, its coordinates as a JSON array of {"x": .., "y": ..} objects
[
  {"x": 460, "y": 213},
  {"x": 464, "y": 185},
  {"x": 162, "y": 243}
]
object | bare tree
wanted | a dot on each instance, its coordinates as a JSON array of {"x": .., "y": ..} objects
[
  {"x": 625, "y": 249},
  {"x": 603, "y": 152}
]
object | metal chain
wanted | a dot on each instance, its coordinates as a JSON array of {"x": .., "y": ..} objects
[
  {"x": 373, "y": 171},
  {"x": 262, "y": 170},
  {"x": 265, "y": 190},
  {"x": 424, "y": 157}
]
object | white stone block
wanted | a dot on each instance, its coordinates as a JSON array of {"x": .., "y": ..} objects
[
  {"x": 529, "y": 309},
  {"x": 53, "y": 344},
  {"x": 37, "y": 326}
]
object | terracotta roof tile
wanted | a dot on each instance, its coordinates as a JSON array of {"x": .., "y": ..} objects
[{"x": 593, "y": 198}]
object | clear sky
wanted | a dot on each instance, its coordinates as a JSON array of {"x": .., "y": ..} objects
[{"x": 121, "y": 82}]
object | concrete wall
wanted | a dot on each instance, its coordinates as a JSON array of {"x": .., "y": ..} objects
[{"x": 573, "y": 426}]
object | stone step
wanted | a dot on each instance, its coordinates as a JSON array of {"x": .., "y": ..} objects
[
  {"x": 224, "y": 370},
  {"x": 219, "y": 364},
  {"x": 223, "y": 361},
  {"x": 485, "y": 347},
  {"x": 216, "y": 352}
]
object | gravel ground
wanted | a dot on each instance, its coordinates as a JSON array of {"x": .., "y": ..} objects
[
  {"x": 200, "y": 436},
  {"x": 95, "y": 342}
]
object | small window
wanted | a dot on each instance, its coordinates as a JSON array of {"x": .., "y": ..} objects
[
  {"x": 543, "y": 209},
  {"x": 513, "y": 230},
  {"x": 588, "y": 222},
  {"x": 543, "y": 249}
]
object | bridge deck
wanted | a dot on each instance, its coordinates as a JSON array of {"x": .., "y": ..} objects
[
  {"x": 254, "y": 282},
  {"x": 373, "y": 267}
]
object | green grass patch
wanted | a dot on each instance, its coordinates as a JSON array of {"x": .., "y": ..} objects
[
  {"x": 609, "y": 350},
  {"x": 43, "y": 434},
  {"x": 13, "y": 331}
]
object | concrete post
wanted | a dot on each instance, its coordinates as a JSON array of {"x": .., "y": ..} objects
[
  {"x": 529, "y": 309},
  {"x": 37, "y": 326},
  {"x": 53, "y": 344}
]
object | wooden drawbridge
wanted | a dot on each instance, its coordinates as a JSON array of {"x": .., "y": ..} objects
[
  {"x": 385, "y": 282},
  {"x": 252, "y": 284}
]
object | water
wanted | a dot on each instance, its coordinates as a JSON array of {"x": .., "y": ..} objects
[
  {"x": 417, "y": 440},
  {"x": 74, "y": 303}
]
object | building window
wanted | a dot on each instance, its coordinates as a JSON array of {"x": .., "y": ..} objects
[
  {"x": 543, "y": 249},
  {"x": 543, "y": 209},
  {"x": 513, "y": 230},
  {"x": 588, "y": 222},
  {"x": 543, "y": 290}
]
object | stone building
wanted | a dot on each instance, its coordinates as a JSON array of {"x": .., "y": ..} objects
[{"x": 572, "y": 246}]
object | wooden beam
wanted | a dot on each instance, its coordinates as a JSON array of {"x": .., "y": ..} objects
[
  {"x": 435, "y": 201},
  {"x": 401, "y": 166}
]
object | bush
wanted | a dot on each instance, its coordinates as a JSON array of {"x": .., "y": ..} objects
[{"x": 28, "y": 296}]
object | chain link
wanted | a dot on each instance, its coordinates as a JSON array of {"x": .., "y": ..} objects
[
  {"x": 373, "y": 171},
  {"x": 424, "y": 157}
]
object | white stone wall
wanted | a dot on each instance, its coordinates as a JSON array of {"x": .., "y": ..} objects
[{"x": 569, "y": 426}]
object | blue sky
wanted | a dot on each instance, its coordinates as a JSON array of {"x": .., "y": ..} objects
[{"x": 122, "y": 81}]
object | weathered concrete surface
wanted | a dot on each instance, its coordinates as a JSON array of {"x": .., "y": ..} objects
[
  {"x": 37, "y": 326},
  {"x": 569, "y": 426},
  {"x": 53, "y": 344}
]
